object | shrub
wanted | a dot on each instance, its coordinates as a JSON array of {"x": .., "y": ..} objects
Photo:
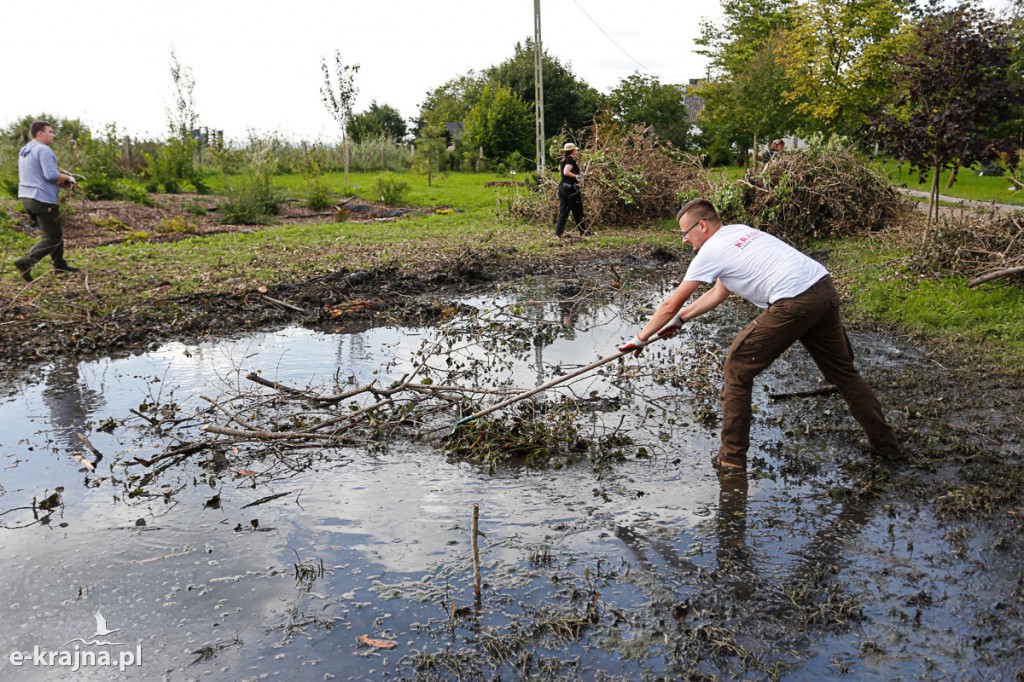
[
  {"x": 175, "y": 225},
  {"x": 173, "y": 167},
  {"x": 9, "y": 185},
  {"x": 391, "y": 188},
  {"x": 317, "y": 192},
  {"x": 110, "y": 223},
  {"x": 100, "y": 186},
  {"x": 251, "y": 200}
]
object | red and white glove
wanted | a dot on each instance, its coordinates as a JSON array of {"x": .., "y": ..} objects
[
  {"x": 635, "y": 345},
  {"x": 672, "y": 328}
]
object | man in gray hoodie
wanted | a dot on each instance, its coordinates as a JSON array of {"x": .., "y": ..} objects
[{"x": 39, "y": 181}]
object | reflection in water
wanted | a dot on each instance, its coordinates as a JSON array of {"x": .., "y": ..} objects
[
  {"x": 734, "y": 556},
  {"x": 569, "y": 303},
  {"x": 70, "y": 403}
]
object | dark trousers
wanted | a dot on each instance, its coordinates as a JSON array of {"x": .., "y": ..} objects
[
  {"x": 569, "y": 199},
  {"x": 51, "y": 224},
  {"x": 812, "y": 318}
]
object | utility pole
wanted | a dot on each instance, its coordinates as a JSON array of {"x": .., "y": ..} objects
[{"x": 538, "y": 87}]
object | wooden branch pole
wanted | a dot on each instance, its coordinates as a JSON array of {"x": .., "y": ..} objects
[
  {"x": 476, "y": 553},
  {"x": 826, "y": 389},
  {"x": 995, "y": 274},
  {"x": 546, "y": 386}
]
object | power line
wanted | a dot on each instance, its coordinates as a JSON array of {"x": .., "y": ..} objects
[{"x": 609, "y": 37}]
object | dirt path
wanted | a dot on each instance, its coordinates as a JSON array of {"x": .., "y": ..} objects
[{"x": 984, "y": 205}]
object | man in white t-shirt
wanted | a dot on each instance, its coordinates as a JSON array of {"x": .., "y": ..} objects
[{"x": 799, "y": 304}]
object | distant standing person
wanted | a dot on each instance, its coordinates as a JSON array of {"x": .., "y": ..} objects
[
  {"x": 569, "y": 197},
  {"x": 774, "y": 150},
  {"x": 39, "y": 183}
]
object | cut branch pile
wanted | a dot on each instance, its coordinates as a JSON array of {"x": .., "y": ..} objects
[
  {"x": 630, "y": 178},
  {"x": 980, "y": 247},
  {"x": 812, "y": 194}
]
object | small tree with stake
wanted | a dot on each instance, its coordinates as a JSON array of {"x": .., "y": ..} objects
[
  {"x": 955, "y": 88},
  {"x": 340, "y": 97}
]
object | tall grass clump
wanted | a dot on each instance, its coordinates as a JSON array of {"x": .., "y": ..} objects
[
  {"x": 251, "y": 198},
  {"x": 391, "y": 188}
]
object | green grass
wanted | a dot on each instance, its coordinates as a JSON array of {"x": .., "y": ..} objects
[
  {"x": 969, "y": 185},
  {"x": 463, "y": 191},
  {"x": 986, "y": 322}
]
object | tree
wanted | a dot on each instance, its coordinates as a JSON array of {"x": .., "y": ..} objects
[
  {"x": 174, "y": 163},
  {"x": 500, "y": 124},
  {"x": 340, "y": 96},
  {"x": 956, "y": 85},
  {"x": 431, "y": 152},
  {"x": 380, "y": 120},
  {"x": 450, "y": 102},
  {"x": 643, "y": 100},
  {"x": 569, "y": 102},
  {"x": 743, "y": 95},
  {"x": 183, "y": 118},
  {"x": 836, "y": 55}
]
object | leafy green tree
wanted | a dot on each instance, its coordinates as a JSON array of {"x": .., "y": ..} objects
[
  {"x": 836, "y": 55},
  {"x": 956, "y": 86},
  {"x": 450, "y": 102},
  {"x": 431, "y": 153},
  {"x": 643, "y": 100},
  {"x": 68, "y": 129},
  {"x": 569, "y": 102},
  {"x": 380, "y": 120},
  {"x": 500, "y": 123},
  {"x": 743, "y": 95}
]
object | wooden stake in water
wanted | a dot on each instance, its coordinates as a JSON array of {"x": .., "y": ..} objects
[{"x": 476, "y": 553}]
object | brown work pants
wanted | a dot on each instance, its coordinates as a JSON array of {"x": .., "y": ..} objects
[{"x": 812, "y": 318}]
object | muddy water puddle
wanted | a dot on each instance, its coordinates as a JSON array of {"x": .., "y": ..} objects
[{"x": 640, "y": 563}]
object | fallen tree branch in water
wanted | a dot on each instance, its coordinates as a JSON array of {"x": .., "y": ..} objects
[{"x": 827, "y": 389}]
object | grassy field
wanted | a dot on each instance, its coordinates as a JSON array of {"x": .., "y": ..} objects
[
  {"x": 988, "y": 321},
  {"x": 969, "y": 185}
]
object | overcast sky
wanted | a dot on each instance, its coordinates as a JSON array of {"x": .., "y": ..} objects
[{"x": 256, "y": 64}]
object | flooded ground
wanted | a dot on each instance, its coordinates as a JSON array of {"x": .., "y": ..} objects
[{"x": 624, "y": 557}]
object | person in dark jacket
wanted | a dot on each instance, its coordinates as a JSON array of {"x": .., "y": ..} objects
[{"x": 569, "y": 197}]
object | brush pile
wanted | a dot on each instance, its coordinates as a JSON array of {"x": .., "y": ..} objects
[
  {"x": 979, "y": 246},
  {"x": 631, "y": 178},
  {"x": 824, "y": 191}
]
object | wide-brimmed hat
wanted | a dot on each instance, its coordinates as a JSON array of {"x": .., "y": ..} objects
[{"x": 569, "y": 147}]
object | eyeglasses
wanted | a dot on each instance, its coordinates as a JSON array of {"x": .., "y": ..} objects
[{"x": 690, "y": 229}]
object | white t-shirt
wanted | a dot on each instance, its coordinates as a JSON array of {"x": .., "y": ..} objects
[{"x": 755, "y": 265}]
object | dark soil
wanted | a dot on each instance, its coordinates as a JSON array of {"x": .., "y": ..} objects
[
  {"x": 336, "y": 300},
  {"x": 182, "y": 216}
]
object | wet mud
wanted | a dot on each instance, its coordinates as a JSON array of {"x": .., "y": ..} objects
[{"x": 610, "y": 548}]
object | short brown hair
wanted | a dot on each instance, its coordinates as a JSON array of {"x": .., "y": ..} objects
[
  {"x": 702, "y": 209},
  {"x": 37, "y": 127}
]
